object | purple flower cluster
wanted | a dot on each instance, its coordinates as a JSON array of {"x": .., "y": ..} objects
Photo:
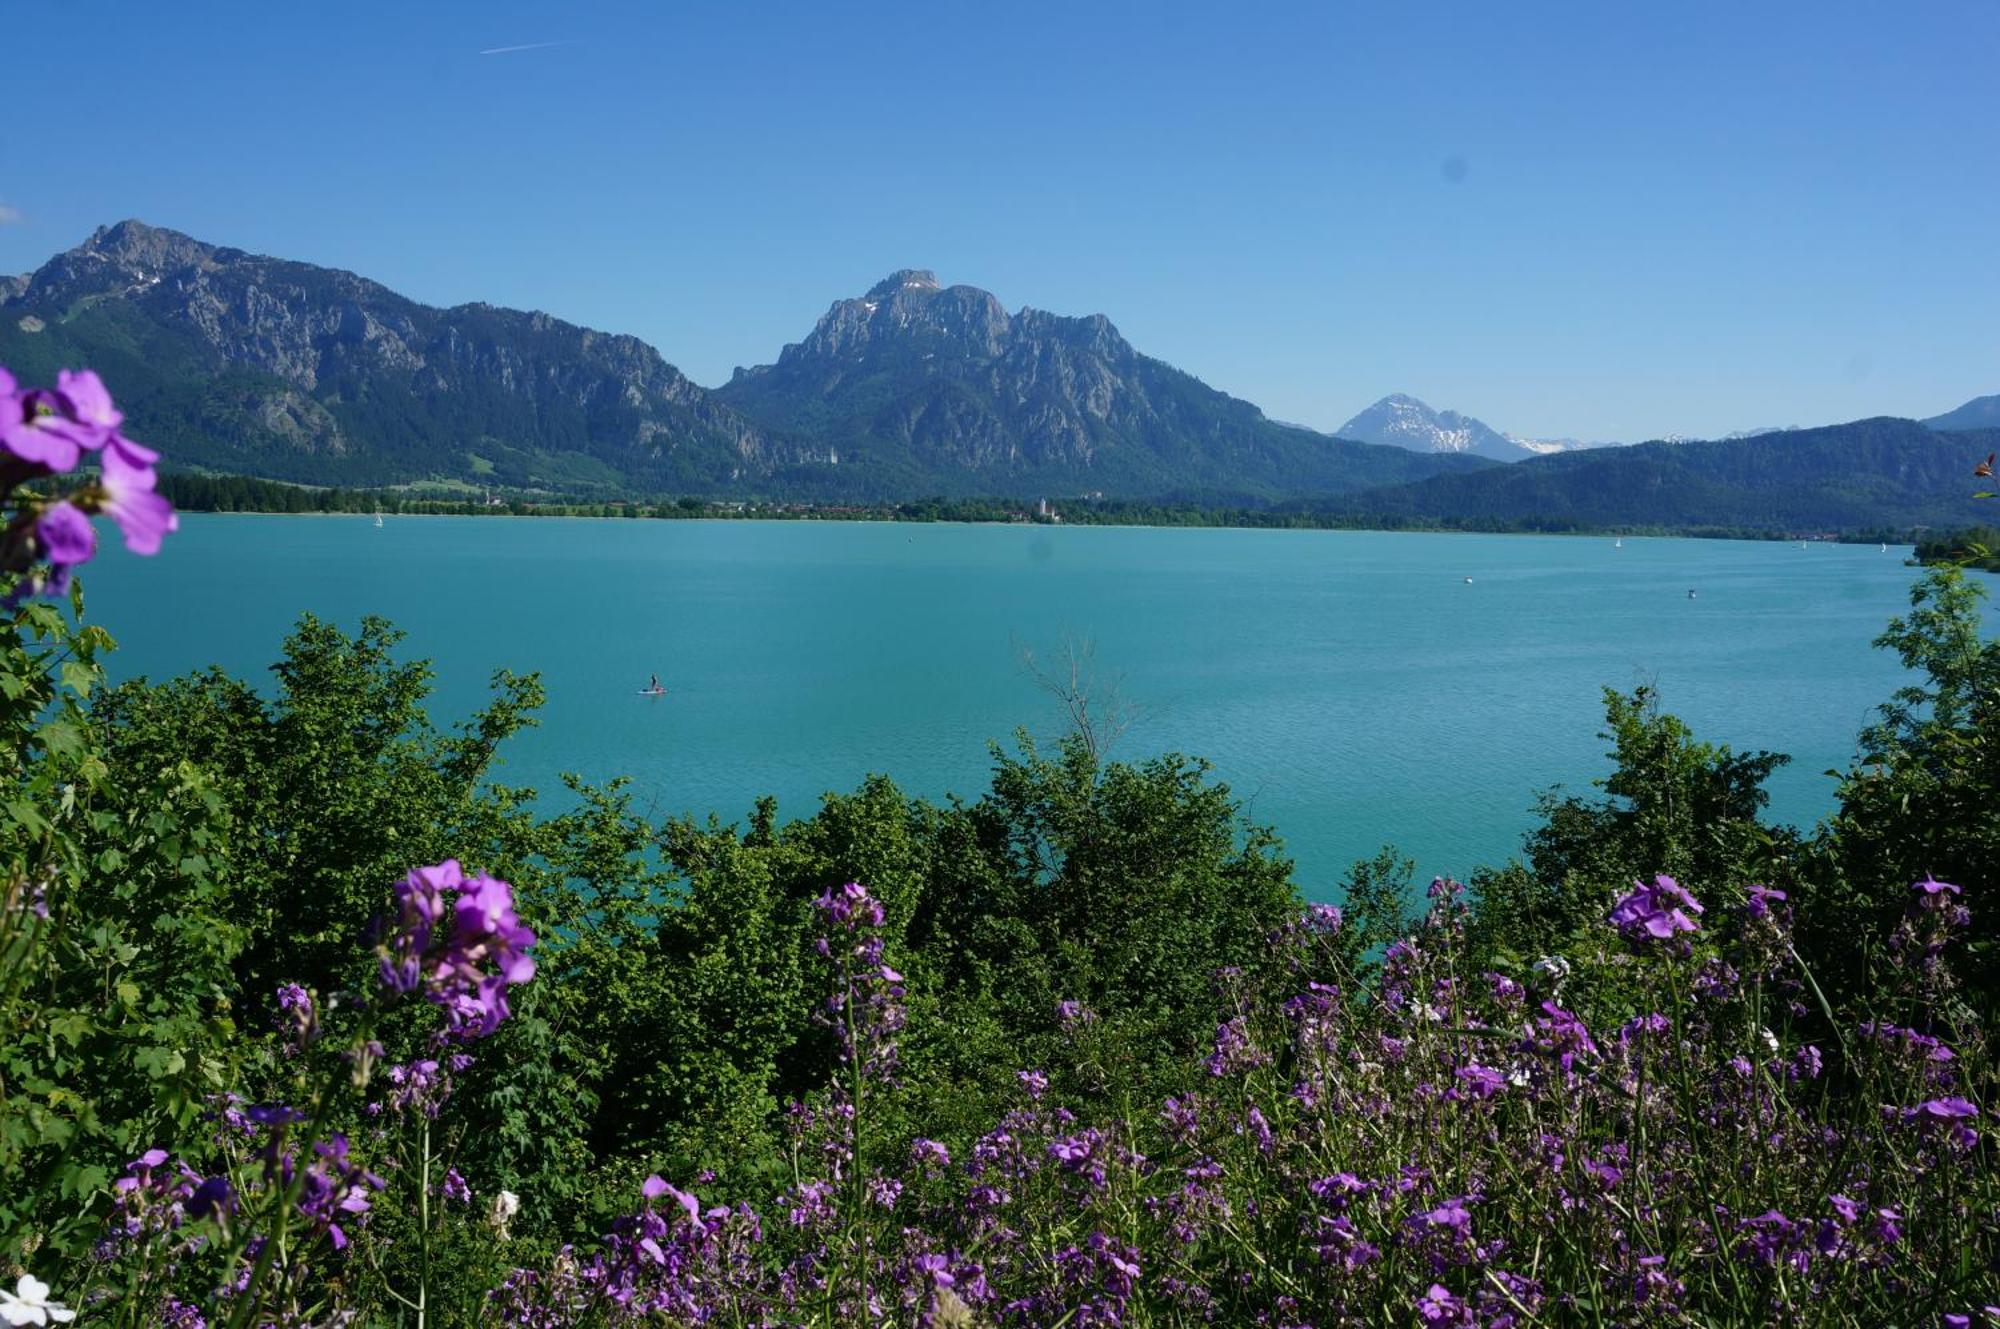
[
  {"x": 49, "y": 431},
  {"x": 1658, "y": 911},
  {"x": 1411, "y": 1148},
  {"x": 450, "y": 969},
  {"x": 865, "y": 1007},
  {"x": 1417, "y": 1145}
]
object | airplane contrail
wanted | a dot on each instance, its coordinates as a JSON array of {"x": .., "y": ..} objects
[{"x": 530, "y": 46}]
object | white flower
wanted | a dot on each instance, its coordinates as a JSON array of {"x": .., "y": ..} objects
[
  {"x": 1770, "y": 1039},
  {"x": 1554, "y": 966},
  {"x": 29, "y": 1303},
  {"x": 505, "y": 1205}
]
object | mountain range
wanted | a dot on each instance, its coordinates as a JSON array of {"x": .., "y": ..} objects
[
  {"x": 239, "y": 362},
  {"x": 236, "y": 362},
  {"x": 1880, "y": 474}
]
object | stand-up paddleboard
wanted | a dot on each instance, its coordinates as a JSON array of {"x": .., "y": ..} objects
[{"x": 652, "y": 692}]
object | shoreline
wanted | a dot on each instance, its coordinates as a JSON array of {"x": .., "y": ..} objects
[{"x": 1903, "y": 542}]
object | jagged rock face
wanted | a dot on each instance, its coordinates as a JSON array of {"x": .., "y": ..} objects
[
  {"x": 326, "y": 363},
  {"x": 942, "y": 380}
]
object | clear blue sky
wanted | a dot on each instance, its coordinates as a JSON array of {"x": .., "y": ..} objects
[{"x": 1601, "y": 220}]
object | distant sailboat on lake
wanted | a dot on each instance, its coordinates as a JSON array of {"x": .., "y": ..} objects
[
  {"x": 1618, "y": 543},
  {"x": 378, "y": 516}
]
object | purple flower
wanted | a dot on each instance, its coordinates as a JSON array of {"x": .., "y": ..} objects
[
  {"x": 1640, "y": 1025},
  {"x": 213, "y": 1196},
  {"x": 334, "y": 1186},
  {"x": 67, "y": 539},
  {"x": 1769, "y": 1236},
  {"x": 485, "y": 930},
  {"x": 47, "y": 427},
  {"x": 1234, "y": 1051},
  {"x": 1074, "y": 1149},
  {"x": 1948, "y": 1114},
  {"x": 1074, "y": 1012},
  {"x": 1439, "y": 1307},
  {"x": 655, "y": 1187},
  {"x": 1941, "y": 1110},
  {"x": 1452, "y": 1214},
  {"x": 1931, "y": 886},
  {"x": 89, "y": 400},
  {"x": 850, "y": 905},
  {"x": 1761, "y": 900},
  {"x": 128, "y": 480},
  {"x": 297, "y": 1016},
  {"x": 1480, "y": 1082},
  {"x": 1658, "y": 911},
  {"x": 178, "y": 1314}
]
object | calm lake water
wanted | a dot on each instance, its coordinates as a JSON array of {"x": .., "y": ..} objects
[{"x": 1353, "y": 688}]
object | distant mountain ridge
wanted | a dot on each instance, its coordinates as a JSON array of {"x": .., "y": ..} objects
[
  {"x": 268, "y": 367},
  {"x": 1402, "y": 421},
  {"x": 1979, "y": 413},
  {"x": 1868, "y": 474},
  {"x": 290, "y": 371},
  {"x": 261, "y": 366},
  {"x": 918, "y": 383}
]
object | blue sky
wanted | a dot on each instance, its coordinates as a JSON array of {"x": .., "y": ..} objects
[{"x": 1599, "y": 220}]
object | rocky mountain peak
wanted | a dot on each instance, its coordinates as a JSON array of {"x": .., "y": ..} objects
[
  {"x": 134, "y": 244},
  {"x": 901, "y": 280}
]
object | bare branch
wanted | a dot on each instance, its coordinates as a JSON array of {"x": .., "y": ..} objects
[{"x": 1095, "y": 707}]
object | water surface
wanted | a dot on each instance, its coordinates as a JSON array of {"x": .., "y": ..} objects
[{"x": 1355, "y": 688}]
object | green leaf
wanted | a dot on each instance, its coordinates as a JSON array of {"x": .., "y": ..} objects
[
  {"x": 77, "y": 677},
  {"x": 61, "y": 738},
  {"x": 160, "y": 1062},
  {"x": 27, "y": 816}
]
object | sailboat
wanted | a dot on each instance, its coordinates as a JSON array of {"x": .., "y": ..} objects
[
  {"x": 378, "y": 516},
  {"x": 1618, "y": 543}
]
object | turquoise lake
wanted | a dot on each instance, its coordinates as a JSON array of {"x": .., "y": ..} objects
[{"x": 1353, "y": 688}]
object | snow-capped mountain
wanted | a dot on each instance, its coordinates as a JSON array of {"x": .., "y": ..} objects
[
  {"x": 1406, "y": 422},
  {"x": 1542, "y": 447}
]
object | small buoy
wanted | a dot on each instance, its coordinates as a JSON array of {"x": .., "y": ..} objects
[
  {"x": 1468, "y": 581},
  {"x": 1690, "y": 592}
]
